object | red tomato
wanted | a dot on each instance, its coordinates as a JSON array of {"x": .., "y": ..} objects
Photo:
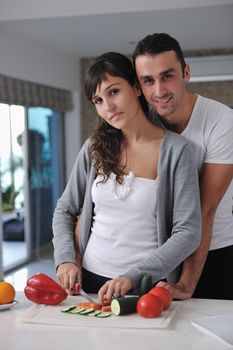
[
  {"x": 149, "y": 305},
  {"x": 164, "y": 295}
]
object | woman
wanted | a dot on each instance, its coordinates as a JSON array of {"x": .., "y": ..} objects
[{"x": 137, "y": 188}]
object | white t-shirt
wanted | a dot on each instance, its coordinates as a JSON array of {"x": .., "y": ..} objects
[
  {"x": 124, "y": 225},
  {"x": 210, "y": 130}
]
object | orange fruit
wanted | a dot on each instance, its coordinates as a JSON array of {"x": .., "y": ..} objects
[{"x": 7, "y": 293}]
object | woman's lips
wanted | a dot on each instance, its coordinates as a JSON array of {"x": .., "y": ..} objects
[{"x": 116, "y": 115}]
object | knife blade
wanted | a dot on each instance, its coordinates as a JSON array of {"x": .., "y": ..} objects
[
  {"x": 85, "y": 295},
  {"x": 79, "y": 291}
]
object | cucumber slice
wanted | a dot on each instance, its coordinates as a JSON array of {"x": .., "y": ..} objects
[
  {"x": 103, "y": 314},
  {"x": 68, "y": 308},
  {"x": 87, "y": 311},
  {"x": 124, "y": 306},
  {"x": 77, "y": 310},
  {"x": 94, "y": 313}
]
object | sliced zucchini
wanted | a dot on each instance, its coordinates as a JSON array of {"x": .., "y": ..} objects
[
  {"x": 103, "y": 314},
  {"x": 124, "y": 306},
  {"x": 146, "y": 285},
  {"x": 77, "y": 310},
  {"x": 68, "y": 308},
  {"x": 94, "y": 313},
  {"x": 86, "y": 311}
]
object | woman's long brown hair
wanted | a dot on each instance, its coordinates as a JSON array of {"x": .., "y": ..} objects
[{"x": 107, "y": 141}]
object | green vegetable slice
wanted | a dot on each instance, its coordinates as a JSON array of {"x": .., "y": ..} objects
[
  {"x": 68, "y": 308},
  {"x": 103, "y": 314},
  {"x": 77, "y": 310},
  {"x": 86, "y": 311},
  {"x": 94, "y": 313}
]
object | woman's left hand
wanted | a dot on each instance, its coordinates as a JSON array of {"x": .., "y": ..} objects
[{"x": 117, "y": 287}]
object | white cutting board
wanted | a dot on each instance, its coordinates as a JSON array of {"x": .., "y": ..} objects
[{"x": 52, "y": 315}]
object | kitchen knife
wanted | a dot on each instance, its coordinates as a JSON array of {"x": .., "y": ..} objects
[{"x": 79, "y": 291}]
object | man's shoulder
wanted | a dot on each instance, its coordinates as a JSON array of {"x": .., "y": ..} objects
[{"x": 210, "y": 104}]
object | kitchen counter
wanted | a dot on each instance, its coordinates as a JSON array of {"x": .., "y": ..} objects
[{"x": 180, "y": 334}]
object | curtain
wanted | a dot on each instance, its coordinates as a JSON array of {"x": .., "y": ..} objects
[{"x": 20, "y": 92}]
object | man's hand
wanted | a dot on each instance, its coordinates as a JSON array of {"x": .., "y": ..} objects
[
  {"x": 68, "y": 274},
  {"x": 118, "y": 287},
  {"x": 177, "y": 290}
]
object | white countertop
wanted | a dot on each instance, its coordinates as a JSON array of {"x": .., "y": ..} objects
[{"x": 180, "y": 334}]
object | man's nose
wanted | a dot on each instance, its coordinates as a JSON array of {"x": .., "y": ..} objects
[{"x": 159, "y": 89}]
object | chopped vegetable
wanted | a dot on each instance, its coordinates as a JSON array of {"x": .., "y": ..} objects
[
  {"x": 77, "y": 310},
  {"x": 106, "y": 308},
  {"x": 68, "y": 308},
  {"x": 103, "y": 314},
  {"x": 86, "y": 304},
  {"x": 94, "y": 313},
  {"x": 124, "y": 306},
  {"x": 87, "y": 311}
]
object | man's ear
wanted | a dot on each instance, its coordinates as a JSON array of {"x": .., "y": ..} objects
[
  {"x": 137, "y": 89},
  {"x": 187, "y": 73}
]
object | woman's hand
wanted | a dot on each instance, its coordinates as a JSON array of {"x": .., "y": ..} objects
[
  {"x": 68, "y": 274},
  {"x": 118, "y": 287}
]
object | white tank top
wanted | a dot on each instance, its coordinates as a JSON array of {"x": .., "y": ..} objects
[{"x": 124, "y": 229}]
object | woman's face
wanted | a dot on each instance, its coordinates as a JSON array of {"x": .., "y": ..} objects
[{"x": 116, "y": 101}]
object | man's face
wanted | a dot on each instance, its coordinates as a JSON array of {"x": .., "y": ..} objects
[{"x": 162, "y": 82}]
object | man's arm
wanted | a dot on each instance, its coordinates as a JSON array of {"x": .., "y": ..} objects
[{"x": 215, "y": 180}]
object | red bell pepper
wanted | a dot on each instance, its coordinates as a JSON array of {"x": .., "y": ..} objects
[{"x": 41, "y": 289}]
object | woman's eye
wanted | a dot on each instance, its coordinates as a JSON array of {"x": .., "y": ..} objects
[
  {"x": 97, "y": 101},
  {"x": 114, "y": 91}
]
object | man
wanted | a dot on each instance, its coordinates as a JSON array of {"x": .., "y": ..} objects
[{"x": 163, "y": 76}]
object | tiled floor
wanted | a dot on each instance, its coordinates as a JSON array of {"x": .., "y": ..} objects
[{"x": 44, "y": 263}]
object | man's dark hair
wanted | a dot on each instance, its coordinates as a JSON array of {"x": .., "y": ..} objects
[{"x": 156, "y": 43}]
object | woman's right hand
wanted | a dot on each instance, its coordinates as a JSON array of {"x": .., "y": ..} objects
[{"x": 68, "y": 275}]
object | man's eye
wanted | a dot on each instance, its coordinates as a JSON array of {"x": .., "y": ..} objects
[
  {"x": 167, "y": 77},
  {"x": 148, "y": 81}
]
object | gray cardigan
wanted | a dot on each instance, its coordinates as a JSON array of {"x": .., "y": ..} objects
[{"x": 178, "y": 211}]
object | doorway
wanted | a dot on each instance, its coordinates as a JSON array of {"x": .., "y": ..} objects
[
  {"x": 13, "y": 190},
  {"x": 32, "y": 179}
]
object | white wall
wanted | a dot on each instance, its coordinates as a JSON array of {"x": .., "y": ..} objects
[
  {"x": 72, "y": 135},
  {"x": 29, "y": 60},
  {"x": 211, "y": 68}
]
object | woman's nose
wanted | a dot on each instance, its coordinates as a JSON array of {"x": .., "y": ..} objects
[{"x": 109, "y": 105}]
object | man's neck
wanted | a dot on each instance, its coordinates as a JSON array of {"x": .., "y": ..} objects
[{"x": 178, "y": 121}]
